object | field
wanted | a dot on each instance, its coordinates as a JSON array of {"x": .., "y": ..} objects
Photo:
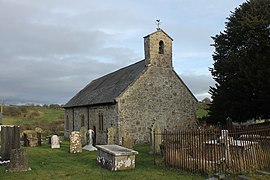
[
  {"x": 51, "y": 120},
  {"x": 49, "y": 163}
]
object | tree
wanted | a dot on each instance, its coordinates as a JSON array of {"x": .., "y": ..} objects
[{"x": 242, "y": 64}]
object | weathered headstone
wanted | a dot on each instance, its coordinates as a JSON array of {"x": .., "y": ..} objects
[
  {"x": 90, "y": 141},
  {"x": 39, "y": 135},
  {"x": 18, "y": 160},
  {"x": 10, "y": 139},
  {"x": 55, "y": 142},
  {"x": 229, "y": 122},
  {"x": 75, "y": 142},
  {"x": 111, "y": 135},
  {"x": 155, "y": 138},
  {"x": 38, "y": 130},
  {"x": 127, "y": 141},
  {"x": 31, "y": 138},
  {"x": 225, "y": 141},
  {"x": 83, "y": 132}
]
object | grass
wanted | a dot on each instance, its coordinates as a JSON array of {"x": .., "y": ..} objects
[
  {"x": 50, "y": 120},
  {"x": 45, "y": 114},
  {"x": 49, "y": 163}
]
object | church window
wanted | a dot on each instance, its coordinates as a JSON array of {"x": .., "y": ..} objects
[
  {"x": 82, "y": 121},
  {"x": 161, "y": 47},
  {"x": 100, "y": 117}
]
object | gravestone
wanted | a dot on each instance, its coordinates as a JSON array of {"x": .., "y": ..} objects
[
  {"x": 39, "y": 135},
  {"x": 55, "y": 142},
  {"x": 127, "y": 141},
  {"x": 31, "y": 138},
  {"x": 111, "y": 135},
  {"x": 90, "y": 141},
  {"x": 83, "y": 132},
  {"x": 155, "y": 138},
  {"x": 10, "y": 139},
  {"x": 38, "y": 130},
  {"x": 229, "y": 122},
  {"x": 75, "y": 142},
  {"x": 225, "y": 141},
  {"x": 18, "y": 160}
]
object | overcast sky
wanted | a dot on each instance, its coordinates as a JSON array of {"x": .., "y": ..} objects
[{"x": 51, "y": 49}]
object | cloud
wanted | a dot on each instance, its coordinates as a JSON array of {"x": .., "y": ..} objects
[
  {"x": 198, "y": 84},
  {"x": 50, "y": 49}
]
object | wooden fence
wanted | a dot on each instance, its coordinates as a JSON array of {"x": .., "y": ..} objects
[{"x": 215, "y": 149}]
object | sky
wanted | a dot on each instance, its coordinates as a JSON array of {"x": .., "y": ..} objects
[{"x": 51, "y": 49}]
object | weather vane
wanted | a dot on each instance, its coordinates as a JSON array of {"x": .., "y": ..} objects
[{"x": 158, "y": 22}]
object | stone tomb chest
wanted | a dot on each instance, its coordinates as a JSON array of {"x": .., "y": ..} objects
[{"x": 116, "y": 157}]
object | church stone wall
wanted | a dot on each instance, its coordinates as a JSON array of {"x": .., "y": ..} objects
[
  {"x": 157, "y": 97},
  {"x": 91, "y": 116}
]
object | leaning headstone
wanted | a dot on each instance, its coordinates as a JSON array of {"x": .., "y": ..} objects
[
  {"x": 55, "y": 142},
  {"x": 10, "y": 139},
  {"x": 83, "y": 132},
  {"x": 75, "y": 142},
  {"x": 111, "y": 135},
  {"x": 18, "y": 160},
  {"x": 90, "y": 141}
]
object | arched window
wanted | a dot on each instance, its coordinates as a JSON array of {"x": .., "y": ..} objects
[
  {"x": 100, "y": 117},
  {"x": 161, "y": 47}
]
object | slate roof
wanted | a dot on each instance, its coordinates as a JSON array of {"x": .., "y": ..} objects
[{"x": 105, "y": 89}]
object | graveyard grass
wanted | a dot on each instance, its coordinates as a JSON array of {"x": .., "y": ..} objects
[{"x": 47, "y": 163}]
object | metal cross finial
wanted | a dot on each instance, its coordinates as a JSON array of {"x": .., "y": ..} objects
[{"x": 158, "y": 22}]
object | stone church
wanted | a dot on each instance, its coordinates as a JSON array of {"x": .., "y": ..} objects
[{"x": 131, "y": 100}]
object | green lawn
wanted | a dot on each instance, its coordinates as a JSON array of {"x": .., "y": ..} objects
[{"x": 49, "y": 163}]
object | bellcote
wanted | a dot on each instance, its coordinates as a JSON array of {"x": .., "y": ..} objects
[{"x": 158, "y": 49}]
